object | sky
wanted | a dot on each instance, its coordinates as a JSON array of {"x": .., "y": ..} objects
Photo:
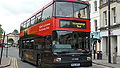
[{"x": 14, "y": 12}]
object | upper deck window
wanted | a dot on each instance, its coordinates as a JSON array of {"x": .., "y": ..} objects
[
  {"x": 47, "y": 13},
  {"x": 74, "y": 10}
]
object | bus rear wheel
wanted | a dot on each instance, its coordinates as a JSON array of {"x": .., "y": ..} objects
[{"x": 39, "y": 65}]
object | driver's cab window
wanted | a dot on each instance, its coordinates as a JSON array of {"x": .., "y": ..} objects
[{"x": 77, "y": 40}]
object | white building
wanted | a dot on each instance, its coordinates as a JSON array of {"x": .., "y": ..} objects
[
  {"x": 12, "y": 37},
  {"x": 115, "y": 26},
  {"x": 94, "y": 15},
  {"x": 95, "y": 22}
]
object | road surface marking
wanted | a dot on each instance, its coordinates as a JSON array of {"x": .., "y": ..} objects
[
  {"x": 101, "y": 66},
  {"x": 15, "y": 64}
]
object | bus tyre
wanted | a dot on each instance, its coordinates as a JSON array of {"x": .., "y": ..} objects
[
  {"x": 39, "y": 61},
  {"x": 91, "y": 64}
]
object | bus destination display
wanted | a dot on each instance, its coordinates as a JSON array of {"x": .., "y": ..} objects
[{"x": 72, "y": 24}]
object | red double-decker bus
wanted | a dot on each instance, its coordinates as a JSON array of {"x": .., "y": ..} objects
[{"x": 57, "y": 35}]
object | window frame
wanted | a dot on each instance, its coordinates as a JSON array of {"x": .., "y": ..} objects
[
  {"x": 33, "y": 19},
  {"x": 95, "y": 21},
  {"x": 45, "y": 9},
  {"x": 114, "y": 15},
  {"x": 105, "y": 18},
  {"x": 95, "y": 5}
]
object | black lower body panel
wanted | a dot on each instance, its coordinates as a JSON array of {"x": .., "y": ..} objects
[{"x": 77, "y": 64}]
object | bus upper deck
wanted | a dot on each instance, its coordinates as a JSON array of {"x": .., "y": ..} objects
[{"x": 55, "y": 13}]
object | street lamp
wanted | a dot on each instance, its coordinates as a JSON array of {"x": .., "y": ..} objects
[
  {"x": 2, "y": 47},
  {"x": 7, "y": 47},
  {"x": 109, "y": 41},
  {"x": 93, "y": 46}
]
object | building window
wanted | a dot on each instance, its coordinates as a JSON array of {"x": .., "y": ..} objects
[
  {"x": 95, "y": 5},
  {"x": 105, "y": 17},
  {"x": 95, "y": 25},
  {"x": 101, "y": 2},
  {"x": 114, "y": 15},
  {"x": 105, "y": 1},
  {"x": 90, "y": 8}
]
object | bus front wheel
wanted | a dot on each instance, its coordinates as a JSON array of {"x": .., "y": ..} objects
[{"x": 39, "y": 62}]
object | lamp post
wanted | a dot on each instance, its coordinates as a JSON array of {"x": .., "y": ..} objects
[
  {"x": 2, "y": 47},
  {"x": 93, "y": 47},
  {"x": 7, "y": 48},
  {"x": 109, "y": 40}
]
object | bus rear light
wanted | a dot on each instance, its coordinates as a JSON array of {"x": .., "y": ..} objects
[
  {"x": 57, "y": 60},
  {"x": 79, "y": 49},
  {"x": 54, "y": 60}
]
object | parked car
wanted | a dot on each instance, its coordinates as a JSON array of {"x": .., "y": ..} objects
[
  {"x": 1, "y": 45},
  {"x": 7, "y": 45}
]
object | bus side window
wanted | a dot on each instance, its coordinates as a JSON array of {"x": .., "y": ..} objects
[
  {"x": 39, "y": 46},
  {"x": 47, "y": 13}
]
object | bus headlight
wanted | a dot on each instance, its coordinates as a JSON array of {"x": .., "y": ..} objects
[
  {"x": 58, "y": 59},
  {"x": 88, "y": 58}
]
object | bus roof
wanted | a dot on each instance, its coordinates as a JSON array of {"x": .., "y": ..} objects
[
  {"x": 74, "y": 1},
  {"x": 58, "y": 1},
  {"x": 84, "y": 2}
]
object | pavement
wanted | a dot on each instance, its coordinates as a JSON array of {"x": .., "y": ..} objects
[
  {"x": 104, "y": 62},
  {"x": 9, "y": 62},
  {"x": 5, "y": 61}
]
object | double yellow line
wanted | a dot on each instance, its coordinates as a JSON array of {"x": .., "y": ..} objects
[{"x": 15, "y": 64}]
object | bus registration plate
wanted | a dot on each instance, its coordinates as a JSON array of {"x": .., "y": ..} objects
[{"x": 75, "y": 64}]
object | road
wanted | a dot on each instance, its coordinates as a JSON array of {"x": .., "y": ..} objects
[{"x": 13, "y": 52}]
